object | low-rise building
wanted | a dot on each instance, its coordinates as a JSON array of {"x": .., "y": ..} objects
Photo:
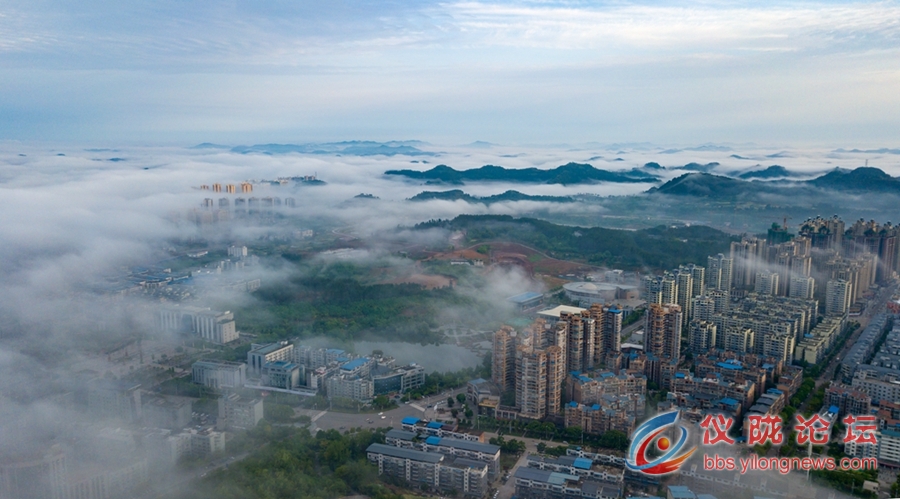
[
  {"x": 353, "y": 388},
  {"x": 478, "y": 451},
  {"x": 579, "y": 466},
  {"x": 533, "y": 483},
  {"x": 397, "y": 379},
  {"x": 484, "y": 395},
  {"x": 260, "y": 354},
  {"x": 238, "y": 413},
  {"x": 432, "y": 470},
  {"x": 219, "y": 373},
  {"x": 161, "y": 412},
  {"x": 282, "y": 374},
  {"x": 848, "y": 400}
]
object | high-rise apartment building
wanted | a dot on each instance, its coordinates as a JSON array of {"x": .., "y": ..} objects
[
  {"x": 837, "y": 297},
  {"x": 718, "y": 272},
  {"x": 662, "y": 331},
  {"x": 503, "y": 358},
  {"x": 824, "y": 233},
  {"x": 580, "y": 341},
  {"x": 738, "y": 339},
  {"x": 802, "y": 287},
  {"x": 747, "y": 257},
  {"x": 556, "y": 377},
  {"x": 698, "y": 276},
  {"x": 684, "y": 293},
  {"x": 766, "y": 283},
  {"x": 531, "y": 382},
  {"x": 702, "y": 336},
  {"x": 879, "y": 240}
]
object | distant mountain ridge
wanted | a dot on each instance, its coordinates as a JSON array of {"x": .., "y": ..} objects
[
  {"x": 857, "y": 181},
  {"x": 350, "y": 148},
  {"x": 570, "y": 173},
  {"x": 457, "y": 195}
]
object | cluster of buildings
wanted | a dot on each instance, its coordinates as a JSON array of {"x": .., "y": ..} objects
[
  {"x": 211, "y": 325},
  {"x": 438, "y": 457},
  {"x": 533, "y": 363},
  {"x": 132, "y": 434},
  {"x": 568, "y": 476},
  {"x": 225, "y": 209},
  {"x": 305, "y": 370},
  {"x": 870, "y": 385}
]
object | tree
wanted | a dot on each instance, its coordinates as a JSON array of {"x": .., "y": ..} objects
[
  {"x": 336, "y": 453},
  {"x": 613, "y": 439},
  {"x": 461, "y": 397},
  {"x": 381, "y": 401},
  {"x": 469, "y": 413},
  {"x": 450, "y": 401}
]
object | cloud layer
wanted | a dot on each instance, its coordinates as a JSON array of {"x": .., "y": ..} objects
[{"x": 514, "y": 72}]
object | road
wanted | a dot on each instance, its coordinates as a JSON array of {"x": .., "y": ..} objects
[
  {"x": 332, "y": 420},
  {"x": 876, "y": 305}
]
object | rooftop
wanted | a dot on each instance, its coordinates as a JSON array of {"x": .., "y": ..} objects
[
  {"x": 555, "y": 312},
  {"x": 463, "y": 444},
  {"x": 400, "y": 434},
  {"x": 415, "y": 455},
  {"x": 525, "y": 297},
  {"x": 354, "y": 364},
  {"x": 272, "y": 347}
]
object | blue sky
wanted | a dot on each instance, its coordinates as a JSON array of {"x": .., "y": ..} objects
[{"x": 527, "y": 72}]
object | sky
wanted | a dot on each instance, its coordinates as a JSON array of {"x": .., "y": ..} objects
[{"x": 541, "y": 72}]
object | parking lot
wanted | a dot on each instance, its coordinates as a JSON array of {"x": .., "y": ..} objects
[{"x": 332, "y": 420}]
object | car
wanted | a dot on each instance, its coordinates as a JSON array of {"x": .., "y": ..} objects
[
  {"x": 382, "y": 417},
  {"x": 381, "y": 414}
]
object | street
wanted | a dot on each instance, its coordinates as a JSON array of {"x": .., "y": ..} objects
[{"x": 332, "y": 420}]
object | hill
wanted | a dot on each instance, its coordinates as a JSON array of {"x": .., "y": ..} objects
[
  {"x": 774, "y": 171},
  {"x": 707, "y": 185},
  {"x": 456, "y": 194},
  {"x": 660, "y": 247},
  {"x": 862, "y": 179},
  {"x": 571, "y": 173}
]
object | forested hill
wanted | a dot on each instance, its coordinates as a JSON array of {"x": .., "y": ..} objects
[
  {"x": 658, "y": 248},
  {"x": 570, "y": 173},
  {"x": 456, "y": 195}
]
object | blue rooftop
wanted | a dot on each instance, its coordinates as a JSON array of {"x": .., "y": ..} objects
[
  {"x": 679, "y": 375},
  {"x": 573, "y": 404},
  {"x": 582, "y": 463},
  {"x": 730, "y": 365},
  {"x": 435, "y": 425},
  {"x": 337, "y": 351},
  {"x": 729, "y": 401},
  {"x": 834, "y": 409},
  {"x": 409, "y": 420},
  {"x": 524, "y": 297},
  {"x": 353, "y": 364},
  {"x": 680, "y": 492},
  {"x": 433, "y": 440}
]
